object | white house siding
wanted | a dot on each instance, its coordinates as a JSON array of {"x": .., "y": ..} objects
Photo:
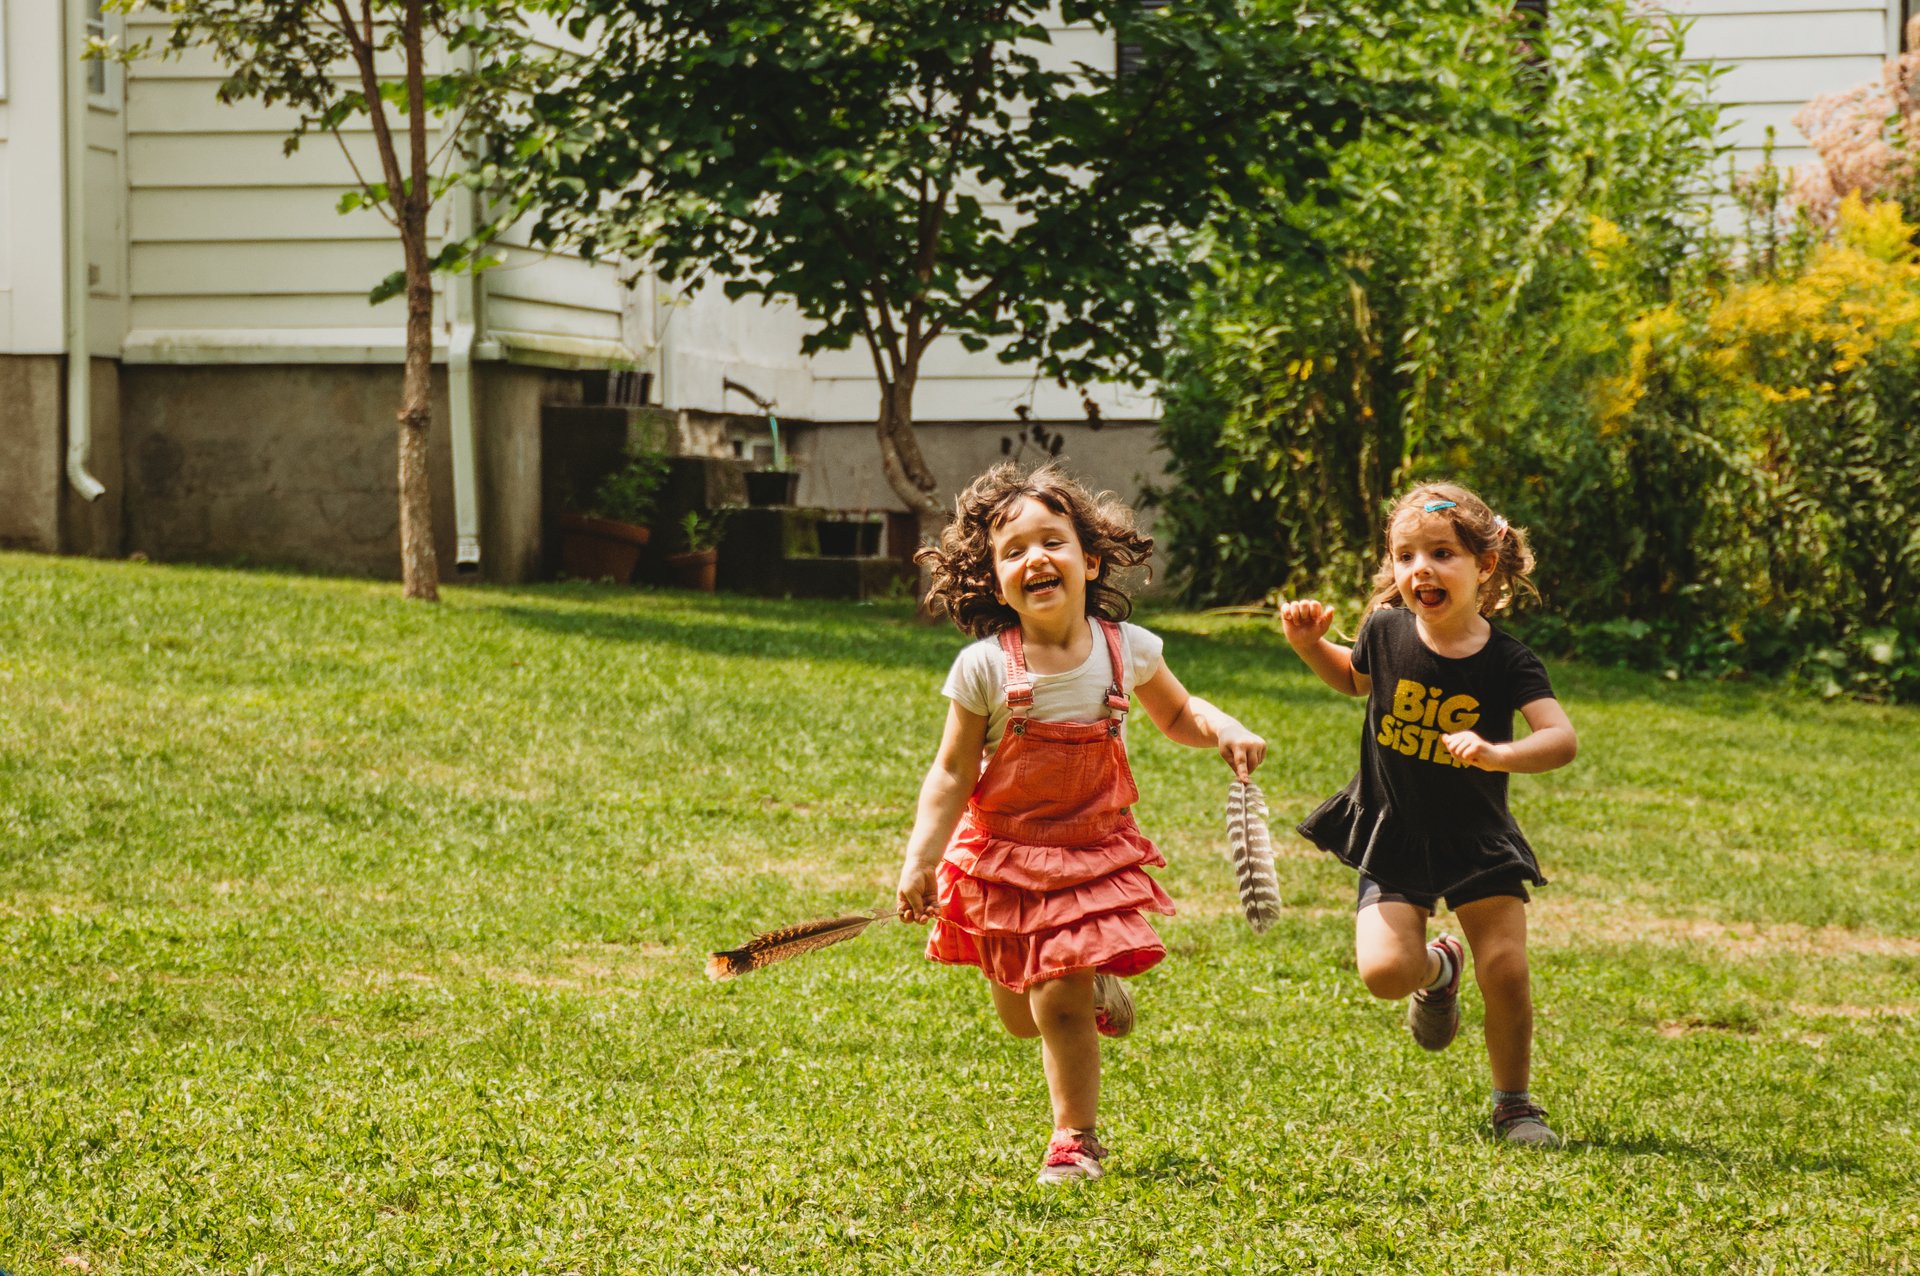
[
  {"x": 1779, "y": 55},
  {"x": 237, "y": 252},
  {"x": 234, "y": 245},
  {"x": 32, "y": 301}
]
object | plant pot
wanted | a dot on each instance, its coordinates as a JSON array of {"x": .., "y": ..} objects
[
  {"x": 600, "y": 548},
  {"x": 771, "y": 487},
  {"x": 849, "y": 537},
  {"x": 695, "y": 570}
]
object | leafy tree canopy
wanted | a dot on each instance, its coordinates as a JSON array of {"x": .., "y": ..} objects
[{"x": 906, "y": 169}]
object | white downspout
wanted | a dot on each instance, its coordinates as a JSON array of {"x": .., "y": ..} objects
[
  {"x": 463, "y": 314},
  {"x": 74, "y": 220},
  {"x": 466, "y": 500}
]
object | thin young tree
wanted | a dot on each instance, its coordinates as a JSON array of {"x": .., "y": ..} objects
[
  {"x": 423, "y": 118},
  {"x": 907, "y": 170}
]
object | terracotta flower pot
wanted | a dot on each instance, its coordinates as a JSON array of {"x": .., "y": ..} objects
[
  {"x": 695, "y": 570},
  {"x": 599, "y": 548}
]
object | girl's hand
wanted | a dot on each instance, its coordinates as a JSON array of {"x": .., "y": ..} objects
[
  {"x": 918, "y": 897},
  {"x": 1475, "y": 752},
  {"x": 1306, "y": 622},
  {"x": 1242, "y": 749}
]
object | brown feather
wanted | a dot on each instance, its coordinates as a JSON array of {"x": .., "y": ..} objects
[
  {"x": 1250, "y": 846},
  {"x": 791, "y": 941}
]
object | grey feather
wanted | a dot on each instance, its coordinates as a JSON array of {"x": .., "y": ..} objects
[{"x": 1250, "y": 847}]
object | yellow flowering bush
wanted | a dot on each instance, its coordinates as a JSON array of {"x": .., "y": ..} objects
[{"x": 1805, "y": 383}]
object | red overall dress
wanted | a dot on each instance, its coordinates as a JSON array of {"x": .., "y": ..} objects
[{"x": 1046, "y": 873}]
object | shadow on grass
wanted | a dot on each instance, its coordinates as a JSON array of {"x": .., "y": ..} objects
[
  {"x": 793, "y": 633},
  {"x": 1671, "y": 1149},
  {"x": 883, "y": 635}
]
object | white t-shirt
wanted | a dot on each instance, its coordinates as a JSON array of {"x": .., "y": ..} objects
[{"x": 978, "y": 680}]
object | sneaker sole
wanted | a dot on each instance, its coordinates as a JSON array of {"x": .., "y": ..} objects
[{"x": 1111, "y": 995}]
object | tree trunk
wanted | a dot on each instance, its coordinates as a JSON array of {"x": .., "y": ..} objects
[
  {"x": 907, "y": 473},
  {"x": 419, "y": 565},
  {"x": 900, "y": 456}
]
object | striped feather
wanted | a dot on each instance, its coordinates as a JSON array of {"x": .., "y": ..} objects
[
  {"x": 791, "y": 941},
  {"x": 1250, "y": 847}
]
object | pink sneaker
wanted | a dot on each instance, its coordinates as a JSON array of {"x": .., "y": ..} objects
[{"x": 1073, "y": 1155}]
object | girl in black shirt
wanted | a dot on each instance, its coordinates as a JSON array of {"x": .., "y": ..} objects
[{"x": 1426, "y": 817}]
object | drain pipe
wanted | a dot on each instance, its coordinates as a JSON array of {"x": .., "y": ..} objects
[
  {"x": 463, "y": 307},
  {"x": 465, "y": 328},
  {"x": 74, "y": 219}
]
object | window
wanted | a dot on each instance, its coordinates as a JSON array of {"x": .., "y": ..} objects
[
  {"x": 1129, "y": 59},
  {"x": 96, "y": 67}
]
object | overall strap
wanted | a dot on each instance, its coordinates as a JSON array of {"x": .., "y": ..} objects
[
  {"x": 1019, "y": 686},
  {"x": 1116, "y": 696}
]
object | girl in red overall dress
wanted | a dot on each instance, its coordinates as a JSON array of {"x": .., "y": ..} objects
[{"x": 1033, "y": 868}]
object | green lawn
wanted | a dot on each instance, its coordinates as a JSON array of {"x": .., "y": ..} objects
[{"x": 345, "y": 935}]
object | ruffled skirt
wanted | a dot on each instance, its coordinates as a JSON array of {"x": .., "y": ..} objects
[
  {"x": 1402, "y": 856},
  {"x": 1025, "y": 914}
]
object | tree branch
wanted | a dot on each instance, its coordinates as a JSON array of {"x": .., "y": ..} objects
[{"x": 362, "y": 48}]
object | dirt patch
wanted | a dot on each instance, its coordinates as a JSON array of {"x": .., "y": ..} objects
[
  {"x": 859, "y": 879},
  {"x": 1574, "y": 923},
  {"x": 593, "y": 968},
  {"x": 1692, "y": 1026},
  {"x": 1895, "y": 1011}
]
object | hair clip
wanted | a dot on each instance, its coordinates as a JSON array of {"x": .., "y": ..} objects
[
  {"x": 1499, "y": 527},
  {"x": 1434, "y": 507}
]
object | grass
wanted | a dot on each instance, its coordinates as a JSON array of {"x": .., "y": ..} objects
[{"x": 348, "y": 935}]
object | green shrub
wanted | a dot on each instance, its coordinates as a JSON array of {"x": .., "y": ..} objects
[
  {"x": 1477, "y": 276},
  {"x": 631, "y": 493}
]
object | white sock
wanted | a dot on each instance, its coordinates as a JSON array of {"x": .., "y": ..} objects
[{"x": 1445, "y": 976}]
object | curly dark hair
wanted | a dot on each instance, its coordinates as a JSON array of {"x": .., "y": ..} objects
[
  {"x": 962, "y": 563},
  {"x": 1480, "y": 532}
]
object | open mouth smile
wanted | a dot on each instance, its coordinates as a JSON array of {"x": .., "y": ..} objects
[
  {"x": 1429, "y": 595},
  {"x": 1042, "y": 584}
]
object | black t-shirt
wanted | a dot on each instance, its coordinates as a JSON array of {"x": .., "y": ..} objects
[{"x": 1414, "y": 819}]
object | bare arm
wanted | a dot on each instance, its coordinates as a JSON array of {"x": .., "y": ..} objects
[
  {"x": 1551, "y": 744},
  {"x": 1187, "y": 719},
  {"x": 943, "y": 797},
  {"x": 1306, "y": 623}
]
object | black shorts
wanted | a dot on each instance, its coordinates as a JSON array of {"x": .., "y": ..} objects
[{"x": 1372, "y": 892}]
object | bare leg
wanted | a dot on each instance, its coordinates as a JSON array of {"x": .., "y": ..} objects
[
  {"x": 1069, "y": 1047},
  {"x": 1496, "y": 931},
  {"x": 1390, "y": 945},
  {"x": 1016, "y": 1016}
]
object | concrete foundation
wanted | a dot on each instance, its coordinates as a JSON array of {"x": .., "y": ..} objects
[
  {"x": 32, "y": 436},
  {"x": 39, "y": 510},
  {"x": 840, "y": 464},
  {"x": 297, "y": 466},
  {"x": 294, "y": 465}
]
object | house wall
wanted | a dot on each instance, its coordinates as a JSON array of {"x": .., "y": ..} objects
[
  {"x": 840, "y": 466},
  {"x": 38, "y": 510},
  {"x": 31, "y": 275},
  {"x": 31, "y": 439},
  {"x": 1781, "y": 54},
  {"x": 295, "y": 465}
]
